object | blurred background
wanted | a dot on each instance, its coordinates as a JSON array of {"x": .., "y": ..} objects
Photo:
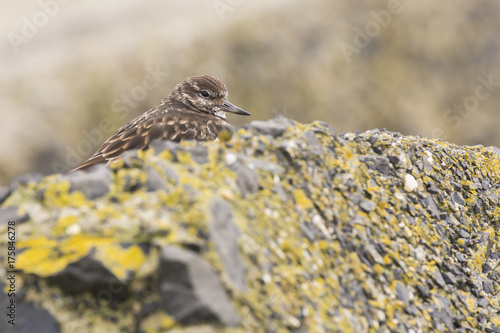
[{"x": 73, "y": 72}]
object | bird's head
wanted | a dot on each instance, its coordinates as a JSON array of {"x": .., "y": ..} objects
[{"x": 206, "y": 94}]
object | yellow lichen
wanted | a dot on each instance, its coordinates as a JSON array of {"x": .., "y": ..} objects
[{"x": 301, "y": 199}]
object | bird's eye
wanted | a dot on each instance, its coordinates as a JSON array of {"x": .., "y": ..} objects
[{"x": 205, "y": 94}]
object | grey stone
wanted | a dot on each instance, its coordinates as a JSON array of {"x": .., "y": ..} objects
[
  {"x": 199, "y": 154},
  {"x": 4, "y": 193},
  {"x": 433, "y": 189},
  {"x": 191, "y": 291},
  {"x": 225, "y": 236},
  {"x": 131, "y": 159},
  {"x": 424, "y": 291},
  {"x": 485, "y": 240},
  {"x": 161, "y": 145},
  {"x": 278, "y": 188},
  {"x": 444, "y": 315},
  {"x": 430, "y": 205},
  {"x": 155, "y": 179},
  {"x": 373, "y": 255},
  {"x": 262, "y": 165},
  {"x": 93, "y": 184},
  {"x": 483, "y": 302},
  {"x": 463, "y": 233},
  {"x": 393, "y": 159},
  {"x": 494, "y": 149},
  {"x": 449, "y": 278},
  {"x": 12, "y": 214},
  {"x": 88, "y": 275},
  {"x": 247, "y": 180},
  {"x": 269, "y": 127},
  {"x": 457, "y": 198},
  {"x": 308, "y": 230},
  {"x": 373, "y": 139},
  {"x": 321, "y": 127},
  {"x": 439, "y": 278},
  {"x": 314, "y": 145},
  {"x": 377, "y": 163},
  {"x": 25, "y": 180},
  {"x": 280, "y": 119},
  {"x": 402, "y": 293},
  {"x": 29, "y": 318},
  {"x": 488, "y": 286},
  {"x": 367, "y": 205}
]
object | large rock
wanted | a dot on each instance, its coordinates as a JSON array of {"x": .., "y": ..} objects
[
  {"x": 191, "y": 291},
  {"x": 284, "y": 226}
]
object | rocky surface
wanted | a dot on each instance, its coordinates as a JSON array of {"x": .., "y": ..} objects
[
  {"x": 280, "y": 227},
  {"x": 70, "y": 82}
]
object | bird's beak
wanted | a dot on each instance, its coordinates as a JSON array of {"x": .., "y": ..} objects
[{"x": 231, "y": 108}]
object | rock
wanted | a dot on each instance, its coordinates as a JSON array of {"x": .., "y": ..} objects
[
  {"x": 462, "y": 233},
  {"x": 158, "y": 180},
  {"x": 190, "y": 291},
  {"x": 315, "y": 147},
  {"x": 367, "y": 205},
  {"x": 488, "y": 286},
  {"x": 433, "y": 189},
  {"x": 4, "y": 193},
  {"x": 225, "y": 236},
  {"x": 12, "y": 214},
  {"x": 494, "y": 149},
  {"x": 131, "y": 159},
  {"x": 155, "y": 180},
  {"x": 247, "y": 180},
  {"x": 439, "y": 278},
  {"x": 199, "y": 154},
  {"x": 259, "y": 164},
  {"x": 457, "y": 198},
  {"x": 88, "y": 274},
  {"x": 424, "y": 291},
  {"x": 444, "y": 315},
  {"x": 429, "y": 203},
  {"x": 93, "y": 183},
  {"x": 373, "y": 255},
  {"x": 410, "y": 183},
  {"x": 272, "y": 128},
  {"x": 179, "y": 245},
  {"x": 403, "y": 294},
  {"x": 378, "y": 163},
  {"x": 449, "y": 278},
  {"x": 161, "y": 145},
  {"x": 483, "y": 302},
  {"x": 24, "y": 180},
  {"x": 29, "y": 317},
  {"x": 309, "y": 231}
]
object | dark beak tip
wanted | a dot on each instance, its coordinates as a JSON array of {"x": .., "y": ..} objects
[
  {"x": 231, "y": 108},
  {"x": 245, "y": 113}
]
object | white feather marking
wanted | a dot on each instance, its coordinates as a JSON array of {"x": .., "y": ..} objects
[{"x": 220, "y": 114}]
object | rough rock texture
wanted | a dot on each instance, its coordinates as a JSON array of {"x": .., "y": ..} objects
[{"x": 281, "y": 227}]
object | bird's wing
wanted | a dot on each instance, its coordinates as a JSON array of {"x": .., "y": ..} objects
[{"x": 139, "y": 133}]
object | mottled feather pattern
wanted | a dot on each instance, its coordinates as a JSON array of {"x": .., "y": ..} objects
[{"x": 195, "y": 110}]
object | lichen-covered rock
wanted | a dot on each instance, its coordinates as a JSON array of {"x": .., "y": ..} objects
[
  {"x": 191, "y": 291},
  {"x": 290, "y": 227}
]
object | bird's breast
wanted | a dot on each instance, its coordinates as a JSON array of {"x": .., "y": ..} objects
[{"x": 212, "y": 127}]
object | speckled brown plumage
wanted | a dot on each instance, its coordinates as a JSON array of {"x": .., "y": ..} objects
[{"x": 194, "y": 110}]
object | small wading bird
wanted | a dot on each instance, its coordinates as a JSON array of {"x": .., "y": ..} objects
[{"x": 194, "y": 110}]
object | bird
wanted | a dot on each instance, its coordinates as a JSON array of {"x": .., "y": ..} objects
[{"x": 194, "y": 110}]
